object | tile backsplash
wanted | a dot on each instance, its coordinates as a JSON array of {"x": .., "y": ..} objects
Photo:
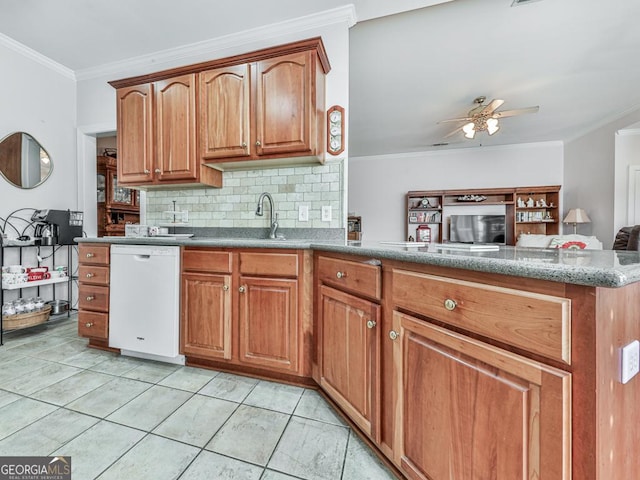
[{"x": 234, "y": 205}]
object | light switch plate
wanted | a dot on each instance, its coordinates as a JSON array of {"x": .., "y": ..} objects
[{"x": 326, "y": 213}]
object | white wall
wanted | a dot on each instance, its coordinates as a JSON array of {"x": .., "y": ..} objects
[
  {"x": 590, "y": 178},
  {"x": 627, "y": 154},
  {"x": 42, "y": 102},
  {"x": 378, "y": 185},
  {"x": 97, "y": 104}
]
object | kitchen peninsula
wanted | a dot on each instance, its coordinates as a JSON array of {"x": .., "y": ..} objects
[{"x": 453, "y": 364}]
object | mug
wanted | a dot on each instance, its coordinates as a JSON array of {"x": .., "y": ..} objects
[{"x": 17, "y": 269}]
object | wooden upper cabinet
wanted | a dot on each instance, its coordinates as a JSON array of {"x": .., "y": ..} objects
[
  {"x": 177, "y": 155},
  {"x": 135, "y": 134},
  {"x": 225, "y": 112},
  {"x": 284, "y": 105}
]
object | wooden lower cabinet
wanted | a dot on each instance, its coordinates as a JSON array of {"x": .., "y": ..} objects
[
  {"x": 349, "y": 330},
  {"x": 206, "y": 314},
  {"x": 268, "y": 322},
  {"x": 468, "y": 410}
]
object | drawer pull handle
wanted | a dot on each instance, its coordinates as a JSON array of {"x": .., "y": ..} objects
[
  {"x": 241, "y": 289},
  {"x": 225, "y": 288},
  {"x": 157, "y": 170},
  {"x": 258, "y": 143},
  {"x": 393, "y": 335},
  {"x": 88, "y": 324},
  {"x": 450, "y": 304},
  {"x": 244, "y": 145},
  {"x": 146, "y": 171},
  {"x": 89, "y": 275},
  {"x": 90, "y": 298},
  {"x": 341, "y": 274},
  {"x": 90, "y": 255},
  {"x": 371, "y": 323}
]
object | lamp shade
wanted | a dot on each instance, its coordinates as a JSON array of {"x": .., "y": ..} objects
[{"x": 577, "y": 215}]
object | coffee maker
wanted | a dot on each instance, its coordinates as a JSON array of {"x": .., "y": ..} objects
[{"x": 56, "y": 227}]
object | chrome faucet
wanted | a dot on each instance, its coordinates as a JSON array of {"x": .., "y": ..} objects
[{"x": 272, "y": 218}]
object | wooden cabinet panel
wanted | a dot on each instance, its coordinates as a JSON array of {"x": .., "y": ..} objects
[
  {"x": 94, "y": 254},
  {"x": 268, "y": 323},
  {"x": 283, "y": 105},
  {"x": 135, "y": 134},
  {"x": 225, "y": 106},
  {"x": 349, "y": 329},
  {"x": 357, "y": 277},
  {"x": 469, "y": 410},
  {"x": 206, "y": 260},
  {"x": 271, "y": 264},
  {"x": 93, "y": 324},
  {"x": 94, "y": 298},
  {"x": 93, "y": 274},
  {"x": 534, "y": 322},
  {"x": 206, "y": 315},
  {"x": 177, "y": 157}
]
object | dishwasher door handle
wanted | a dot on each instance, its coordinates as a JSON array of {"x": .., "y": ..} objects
[{"x": 142, "y": 258}]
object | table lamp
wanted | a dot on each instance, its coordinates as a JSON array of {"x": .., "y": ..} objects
[{"x": 576, "y": 216}]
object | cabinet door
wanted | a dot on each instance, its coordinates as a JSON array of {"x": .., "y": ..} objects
[
  {"x": 470, "y": 410},
  {"x": 284, "y": 105},
  {"x": 268, "y": 326},
  {"x": 135, "y": 134},
  {"x": 206, "y": 315},
  {"x": 225, "y": 112},
  {"x": 349, "y": 338},
  {"x": 177, "y": 158}
]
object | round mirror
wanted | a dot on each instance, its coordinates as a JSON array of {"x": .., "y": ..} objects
[{"x": 23, "y": 161}]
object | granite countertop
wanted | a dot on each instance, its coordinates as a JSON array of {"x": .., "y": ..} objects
[{"x": 600, "y": 268}]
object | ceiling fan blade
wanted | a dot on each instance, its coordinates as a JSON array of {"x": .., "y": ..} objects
[
  {"x": 494, "y": 104},
  {"x": 465, "y": 119},
  {"x": 518, "y": 111},
  {"x": 451, "y": 134}
]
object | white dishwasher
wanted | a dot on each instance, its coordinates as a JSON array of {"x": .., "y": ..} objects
[{"x": 144, "y": 303}]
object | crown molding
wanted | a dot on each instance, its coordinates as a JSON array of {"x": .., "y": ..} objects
[
  {"x": 216, "y": 47},
  {"x": 36, "y": 57}
]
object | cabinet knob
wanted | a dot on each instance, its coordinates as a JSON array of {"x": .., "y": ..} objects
[
  {"x": 258, "y": 143},
  {"x": 341, "y": 274},
  {"x": 89, "y": 275},
  {"x": 393, "y": 334},
  {"x": 90, "y": 298},
  {"x": 157, "y": 170},
  {"x": 88, "y": 324},
  {"x": 241, "y": 289},
  {"x": 90, "y": 255},
  {"x": 450, "y": 304},
  {"x": 371, "y": 323},
  {"x": 244, "y": 145},
  {"x": 225, "y": 288},
  {"x": 146, "y": 172}
]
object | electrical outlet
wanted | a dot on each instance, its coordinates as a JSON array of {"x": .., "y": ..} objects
[
  {"x": 326, "y": 213},
  {"x": 630, "y": 361},
  {"x": 303, "y": 213}
]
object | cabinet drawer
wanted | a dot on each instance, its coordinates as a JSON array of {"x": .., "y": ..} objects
[
  {"x": 94, "y": 297},
  {"x": 204, "y": 260},
  {"x": 272, "y": 264},
  {"x": 357, "y": 277},
  {"x": 93, "y": 324},
  {"x": 535, "y": 322},
  {"x": 94, "y": 274},
  {"x": 94, "y": 254}
]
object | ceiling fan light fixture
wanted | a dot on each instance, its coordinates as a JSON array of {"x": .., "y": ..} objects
[
  {"x": 469, "y": 130},
  {"x": 492, "y": 126}
]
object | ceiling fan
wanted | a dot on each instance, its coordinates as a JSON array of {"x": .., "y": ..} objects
[{"x": 484, "y": 118}]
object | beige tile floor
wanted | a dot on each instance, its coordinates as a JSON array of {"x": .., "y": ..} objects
[{"x": 125, "y": 418}]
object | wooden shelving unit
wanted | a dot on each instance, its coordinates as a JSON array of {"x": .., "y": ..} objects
[{"x": 427, "y": 210}]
